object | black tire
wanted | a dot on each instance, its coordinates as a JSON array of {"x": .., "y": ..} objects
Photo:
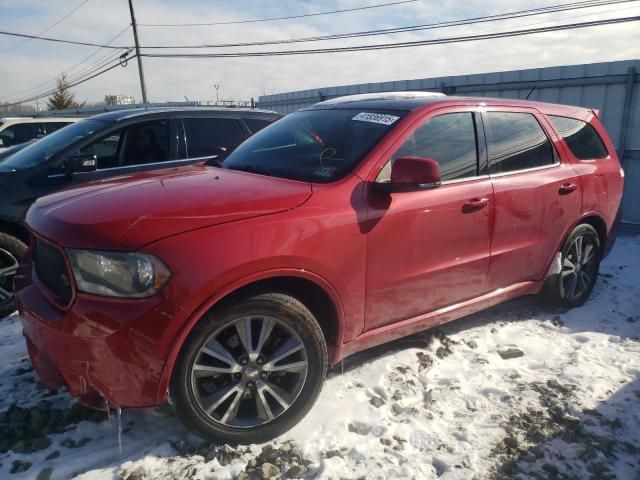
[
  {"x": 558, "y": 292},
  {"x": 290, "y": 314},
  {"x": 11, "y": 248}
]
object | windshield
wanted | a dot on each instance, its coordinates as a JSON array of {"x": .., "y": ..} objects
[
  {"x": 42, "y": 150},
  {"x": 314, "y": 145}
]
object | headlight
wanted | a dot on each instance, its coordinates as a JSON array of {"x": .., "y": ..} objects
[{"x": 118, "y": 274}]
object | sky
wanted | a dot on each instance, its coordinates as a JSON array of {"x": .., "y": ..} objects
[{"x": 28, "y": 68}]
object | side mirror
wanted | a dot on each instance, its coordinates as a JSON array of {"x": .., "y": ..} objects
[
  {"x": 1, "y": 143},
  {"x": 80, "y": 163},
  {"x": 410, "y": 174}
]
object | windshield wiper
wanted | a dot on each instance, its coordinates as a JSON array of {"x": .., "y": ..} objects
[{"x": 251, "y": 168}]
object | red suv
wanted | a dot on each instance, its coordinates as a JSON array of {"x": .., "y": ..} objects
[{"x": 229, "y": 290}]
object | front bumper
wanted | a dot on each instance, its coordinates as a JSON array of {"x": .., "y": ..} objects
[{"x": 99, "y": 348}]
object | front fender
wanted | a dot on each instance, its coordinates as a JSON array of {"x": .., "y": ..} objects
[{"x": 229, "y": 289}]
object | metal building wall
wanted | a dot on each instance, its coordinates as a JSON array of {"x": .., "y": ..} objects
[{"x": 611, "y": 87}]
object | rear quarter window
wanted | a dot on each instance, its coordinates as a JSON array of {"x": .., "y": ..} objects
[
  {"x": 257, "y": 124},
  {"x": 582, "y": 139},
  {"x": 205, "y": 136}
]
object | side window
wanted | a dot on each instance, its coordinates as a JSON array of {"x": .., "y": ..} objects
[
  {"x": 205, "y": 136},
  {"x": 40, "y": 130},
  {"x": 6, "y": 136},
  {"x": 516, "y": 141},
  {"x": 106, "y": 150},
  {"x": 20, "y": 133},
  {"x": 255, "y": 124},
  {"x": 145, "y": 143},
  {"x": 450, "y": 139},
  {"x": 53, "y": 126},
  {"x": 582, "y": 139}
]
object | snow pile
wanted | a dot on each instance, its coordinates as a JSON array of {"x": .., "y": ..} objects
[{"x": 515, "y": 391}]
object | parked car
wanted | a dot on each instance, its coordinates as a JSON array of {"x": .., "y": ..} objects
[
  {"x": 14, "y": 131},
  {"x": 112, "y": 144},
  {"x": 342, "y": 226},
  {"x": 7, "y": 152}
]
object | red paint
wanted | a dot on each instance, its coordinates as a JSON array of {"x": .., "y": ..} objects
[
  {"x": 392, "y": 264},
  {"x": 416, "y": 170}
]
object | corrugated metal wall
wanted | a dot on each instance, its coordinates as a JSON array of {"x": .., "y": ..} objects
[{"x": 611, "y": 87}]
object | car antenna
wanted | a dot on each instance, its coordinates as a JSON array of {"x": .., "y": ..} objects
[{"x": 530, "y": 92}]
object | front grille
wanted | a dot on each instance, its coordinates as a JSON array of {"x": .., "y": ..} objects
[{"x": 52, "y": 272}]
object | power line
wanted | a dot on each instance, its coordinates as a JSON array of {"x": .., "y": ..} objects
[
  {"x": 51, "y": 84},
  {"x": 84, "y": 60},
  {"x": 411, "y": 28},
  {"x": 48, "y": 28},
  {"x": 121, "y": 61},
  {"x": 59, "y": 40},
  {"x": 95, "y": 52},
  {"x": 77, "y": 80},
  {"x": 384, "y": 46},
  {"x": 272, "y": 19},
  {"x": 549, "y": 9}
]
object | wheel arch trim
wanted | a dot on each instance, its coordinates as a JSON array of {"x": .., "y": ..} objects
[
  {"x": 229, "y": 289},
  {"x": 15, "y": 228},
  {"x": 586, "y": 215}
]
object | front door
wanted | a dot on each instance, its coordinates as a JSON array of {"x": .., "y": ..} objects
[
  {"x": 429, "y": 249},
  {"x": 138, "y": 147}
]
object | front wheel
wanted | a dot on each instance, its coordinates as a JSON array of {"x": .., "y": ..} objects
[
  {"x": 251, "y": 371},
  {"x": 580, "y": 262},
  {"x": 11, "y": 251}
]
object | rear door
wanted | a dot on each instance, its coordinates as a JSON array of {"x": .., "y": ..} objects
[
  {"x": 537, "y": 197},
  {"x": 599, "y": 170},
  {"x": 429, "y": 249}
]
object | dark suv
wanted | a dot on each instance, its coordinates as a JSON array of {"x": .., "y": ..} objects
[{"x": 108, "y": 145}]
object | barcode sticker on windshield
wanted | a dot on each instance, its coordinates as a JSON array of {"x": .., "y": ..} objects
[{"x": 380, "y": 118}]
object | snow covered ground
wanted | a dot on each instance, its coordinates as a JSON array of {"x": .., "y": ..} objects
[{"x": 518, "y": 391}]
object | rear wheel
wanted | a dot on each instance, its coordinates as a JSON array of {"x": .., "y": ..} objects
[
  {"x": 251, "y": 371},
  {"x": 580, "y": 262},
  {"x": 11, "y": 251}
]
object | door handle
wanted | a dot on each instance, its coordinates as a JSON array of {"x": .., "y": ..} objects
[
  {"x": 567, "y": 188},
  {"x": 475, "y": 204}
]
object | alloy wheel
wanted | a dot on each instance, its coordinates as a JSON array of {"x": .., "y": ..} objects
[
  {"x": 249, "y": 372},
  {"x": 579, "y": 266},
  {"x": 8, "y": 268}
]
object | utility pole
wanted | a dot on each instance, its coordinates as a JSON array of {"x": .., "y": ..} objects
[
  {"x": 216, "y": 87},
  {"x": 143, "y": 87}
]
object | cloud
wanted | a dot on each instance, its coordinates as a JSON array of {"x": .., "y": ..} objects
[{"x": 243, "y": 78}]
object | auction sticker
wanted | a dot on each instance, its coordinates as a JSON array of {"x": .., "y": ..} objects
[{"x": 380, "y": 118}]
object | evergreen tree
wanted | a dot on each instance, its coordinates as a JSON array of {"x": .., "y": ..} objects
[{"x": 62, "y": 98}]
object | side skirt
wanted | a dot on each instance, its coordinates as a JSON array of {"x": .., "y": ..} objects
[{"x": 396, "y": 330}]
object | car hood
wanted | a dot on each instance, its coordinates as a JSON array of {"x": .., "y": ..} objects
[{"x": 128, "y": 212}]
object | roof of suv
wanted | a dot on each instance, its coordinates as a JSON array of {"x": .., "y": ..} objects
[
  {"x": 412, "y": 100},
  {"x": 119, "y": 115}
]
